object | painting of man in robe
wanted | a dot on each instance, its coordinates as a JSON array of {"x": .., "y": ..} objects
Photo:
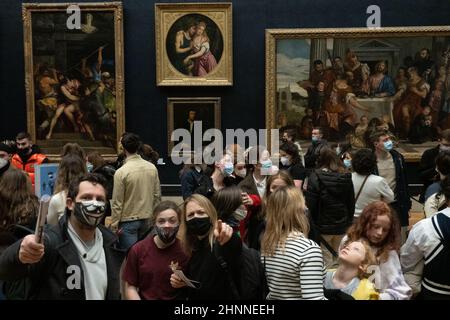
[
  {"x": 74, "y": 81},
  {"x": 349, "y": 86},
  {"x": 194, "y": 45}
]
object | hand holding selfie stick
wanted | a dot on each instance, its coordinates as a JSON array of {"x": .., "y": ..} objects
[{"x": 42, "y": 216}]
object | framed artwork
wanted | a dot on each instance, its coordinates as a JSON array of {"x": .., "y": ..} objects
[
  {"x": 45, "y": 178},
  {"x": 74, "y": 77},
  {"x": 194, "y": 44},
  {"x": 183, "y": 113},
  {"x": 340, "y": 79}
]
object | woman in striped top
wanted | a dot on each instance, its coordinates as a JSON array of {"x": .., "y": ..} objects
[{"x": 293, "y": 263}]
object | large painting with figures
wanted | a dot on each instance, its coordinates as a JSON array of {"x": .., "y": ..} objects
[
  {"x": 346, "y": 80},
  {"x": 74, "y": 76},
  {"x": 193, "y": 44}
]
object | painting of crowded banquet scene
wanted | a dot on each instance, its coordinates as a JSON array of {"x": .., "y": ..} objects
[
  {"x": 76, "y": 74},
  {"x": 349, "y": 85}
]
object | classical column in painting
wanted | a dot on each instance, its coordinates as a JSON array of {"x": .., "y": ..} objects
[{"x": 318, "y": 51}]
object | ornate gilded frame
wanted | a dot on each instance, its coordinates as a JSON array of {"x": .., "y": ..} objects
[
  {"x": 171, "y": 105},
  {"x": 273, "y": 35},
  {"x": 165, "y": 16},
  {"x": 116, "y": 8}
]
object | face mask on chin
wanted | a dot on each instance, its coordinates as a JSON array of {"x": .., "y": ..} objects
[{"x": 240, "y": 214}]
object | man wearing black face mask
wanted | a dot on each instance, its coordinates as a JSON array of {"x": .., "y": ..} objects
[
  {"x": 78, "y": 259},
  {"x": 28, "y": 155},
  {"x": 146, "y": 273}
]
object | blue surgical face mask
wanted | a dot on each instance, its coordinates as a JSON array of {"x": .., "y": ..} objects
[
  {"x": 347, "y": 163},
  {"x": 315, "y": 139},
  {"x": 266, "y": 167},
  {"x": 228, "y": 169},
  {"x": 90, "y": 167},
  {"x": 388, "y": 145}
]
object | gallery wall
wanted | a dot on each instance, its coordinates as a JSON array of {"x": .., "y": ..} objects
[{"x": 243, "y": 103}]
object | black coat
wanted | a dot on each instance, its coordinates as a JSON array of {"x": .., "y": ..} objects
[
  {"x": 205, "y": 268},
  {"x": 48, "y": 279},
  {"x": 312, "y": 154},
  {"x": 402, "y": 203},
  {"x": 330, "y": 199},
  {"x": 427, "y": 170}
]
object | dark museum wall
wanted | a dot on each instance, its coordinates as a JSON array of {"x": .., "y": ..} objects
[{"x": 243, "y": 103}]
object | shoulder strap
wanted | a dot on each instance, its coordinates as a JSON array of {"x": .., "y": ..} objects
[
  {"x": 225, "y": 268},
  {"x": 360, "y": 189}
]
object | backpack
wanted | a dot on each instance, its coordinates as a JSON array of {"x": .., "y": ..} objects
[{"x": 252, "y": 279}]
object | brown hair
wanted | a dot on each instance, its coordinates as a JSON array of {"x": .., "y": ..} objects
[
  {"x": 163, "y": 206},
  {"x": 368, "y": 216},
  {"x": 285, "y": 213},
  {"x": 18, "y": 204},
  {"x": 96, "y": 159},
  {"x": 328, "y": 159},
  {"x": 70, "y": 169},
  {"x": 75, "y": 149}
]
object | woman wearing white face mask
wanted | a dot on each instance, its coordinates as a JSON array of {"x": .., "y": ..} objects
[
  {"x": 229, "y": 206},
  {"x": 292, "y": 163}
]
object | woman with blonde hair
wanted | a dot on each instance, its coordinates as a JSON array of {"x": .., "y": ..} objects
[
  {"x": 293, "y": 263},
  {"x": 71, "y": 168},
  {"x": 351, "y": 276},
  {"x": 203, "y": 238}
]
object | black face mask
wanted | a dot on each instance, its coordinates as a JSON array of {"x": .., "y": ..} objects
[
  {"x": 23, "y": 152},
  {"x": 89, "y": 213},
  {"x": 167, "y": 235},
  {"x": 198, "y": 226}
]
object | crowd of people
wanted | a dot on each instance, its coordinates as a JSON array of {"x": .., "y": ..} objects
[{"x": 330, "y": 223}]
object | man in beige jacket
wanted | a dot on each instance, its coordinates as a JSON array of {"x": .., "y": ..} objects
[{"x": 136, "y": 192}]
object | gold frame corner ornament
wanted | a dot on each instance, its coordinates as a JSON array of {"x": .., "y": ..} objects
[{"x": 168, "y": 13}]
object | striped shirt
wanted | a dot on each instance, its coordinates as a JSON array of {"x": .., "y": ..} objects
[{"x": 297, "y": 272}]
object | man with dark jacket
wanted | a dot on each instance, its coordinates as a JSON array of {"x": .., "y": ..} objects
[
  {"x": 78, "y": 258},
  {"x": 391, "y": 166},
  {"x": 28, "y": 155},
  {"x": 314, "y": 149},
  {"x": 427, "y": 166}
]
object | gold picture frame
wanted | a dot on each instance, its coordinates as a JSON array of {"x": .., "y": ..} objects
[
  {"x": 194, "y": 44},
  {"x": 95, "y": 117},
  {"x": 207, "y": 110},
  {"x": 290, "y": 56}
]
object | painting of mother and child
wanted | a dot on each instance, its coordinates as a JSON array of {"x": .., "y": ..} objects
[{"x": 194, "y": 45}]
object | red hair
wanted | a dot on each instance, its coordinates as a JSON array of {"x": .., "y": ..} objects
[{"x": 369, "y": 215}]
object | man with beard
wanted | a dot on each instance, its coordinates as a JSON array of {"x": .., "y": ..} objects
[
  {"x": 76, "y": 259},
  {"x": 424, "y": 64},
  {"x": 28, "y": 155},
  {"x": 381, "y": 85}
]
